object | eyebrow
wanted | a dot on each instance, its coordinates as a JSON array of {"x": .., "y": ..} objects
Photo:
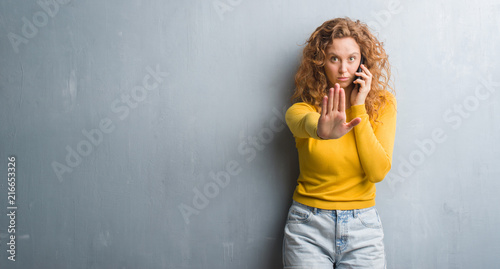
[{"x": 331, "y": 53}]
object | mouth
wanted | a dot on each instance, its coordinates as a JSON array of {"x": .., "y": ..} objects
[{"x": 343, "y": 78}]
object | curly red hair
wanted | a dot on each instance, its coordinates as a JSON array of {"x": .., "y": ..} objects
[{"x": 311, "y": 81}]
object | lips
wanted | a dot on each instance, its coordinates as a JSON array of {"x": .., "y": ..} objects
[{"x": 343, "y": 78}]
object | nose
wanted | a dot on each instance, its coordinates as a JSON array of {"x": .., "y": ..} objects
[{"x": 343, "y": 68}]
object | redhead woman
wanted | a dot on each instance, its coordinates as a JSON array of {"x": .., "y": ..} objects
[{"x": 344, "y": 124}]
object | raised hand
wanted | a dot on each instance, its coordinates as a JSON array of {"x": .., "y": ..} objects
[{"x": 332, "y": 122}]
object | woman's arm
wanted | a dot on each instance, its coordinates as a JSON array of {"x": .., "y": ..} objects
[
  {"x": 302, "y": 119},
  {"x": 375, "y": 144}
]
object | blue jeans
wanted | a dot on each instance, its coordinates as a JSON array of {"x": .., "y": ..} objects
[{"x": 318, "y": 238}]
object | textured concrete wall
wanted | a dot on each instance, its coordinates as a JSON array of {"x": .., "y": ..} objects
[{"x": 150, "y": 134}]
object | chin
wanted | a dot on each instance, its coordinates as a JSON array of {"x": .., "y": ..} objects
[{"x": 344, "y": 84}]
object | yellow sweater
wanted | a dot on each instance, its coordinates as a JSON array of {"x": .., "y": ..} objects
[{"x": 341, "y": 173}]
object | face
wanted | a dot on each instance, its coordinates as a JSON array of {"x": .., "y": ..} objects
[{"x": 342, "y": 61}]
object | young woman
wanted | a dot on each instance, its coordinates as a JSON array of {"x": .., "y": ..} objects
[{"x": 344, "y": 124}]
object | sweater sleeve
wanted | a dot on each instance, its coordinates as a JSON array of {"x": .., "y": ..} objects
[
  {"x": 302, "y": 119},
  {"x": 375, "y": 144}
]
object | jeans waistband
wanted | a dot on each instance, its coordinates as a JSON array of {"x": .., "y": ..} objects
[{"x": 355, "y": 212}]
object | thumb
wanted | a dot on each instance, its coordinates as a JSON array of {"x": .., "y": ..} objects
[{"x": 354, "y": 122}]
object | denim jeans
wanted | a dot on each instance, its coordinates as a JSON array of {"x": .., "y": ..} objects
[{"x": 318, "y": 238}]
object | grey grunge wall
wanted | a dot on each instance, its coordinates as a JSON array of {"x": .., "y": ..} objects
[{"x": 151, "y": 134}]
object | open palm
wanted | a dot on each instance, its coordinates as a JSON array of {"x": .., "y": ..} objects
[{"x": 332, "y": 122}]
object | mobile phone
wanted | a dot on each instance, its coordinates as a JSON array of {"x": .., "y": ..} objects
[{"x": 359, "y": 68}]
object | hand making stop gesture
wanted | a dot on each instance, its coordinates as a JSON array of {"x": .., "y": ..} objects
[{"x": 332, "y": 122}]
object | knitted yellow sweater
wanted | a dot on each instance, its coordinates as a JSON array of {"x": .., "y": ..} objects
[{"x": 341, "y": 173}]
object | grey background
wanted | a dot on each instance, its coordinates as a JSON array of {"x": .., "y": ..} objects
[{"x": 228, "y": 74}]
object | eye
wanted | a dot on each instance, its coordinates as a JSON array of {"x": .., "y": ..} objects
[
  {"x": 333, "y": 59},
  {"x": 352, "y": 58}
]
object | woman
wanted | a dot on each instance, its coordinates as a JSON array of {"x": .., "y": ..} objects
[{"x": 344, "y": 124}]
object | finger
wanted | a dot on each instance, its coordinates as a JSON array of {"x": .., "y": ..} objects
[
  {"x": 336, "y": 99},
  {"x": 360, "y": 82},
  {"x": 353, "y": 123},
  {"x": 330, "y": 100},
  {"x": 342, "y": 100},
  {"x": 323, "y": 105},
  {"x": 363, "y": 75},
  {"x": 365, "y": 69}
]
